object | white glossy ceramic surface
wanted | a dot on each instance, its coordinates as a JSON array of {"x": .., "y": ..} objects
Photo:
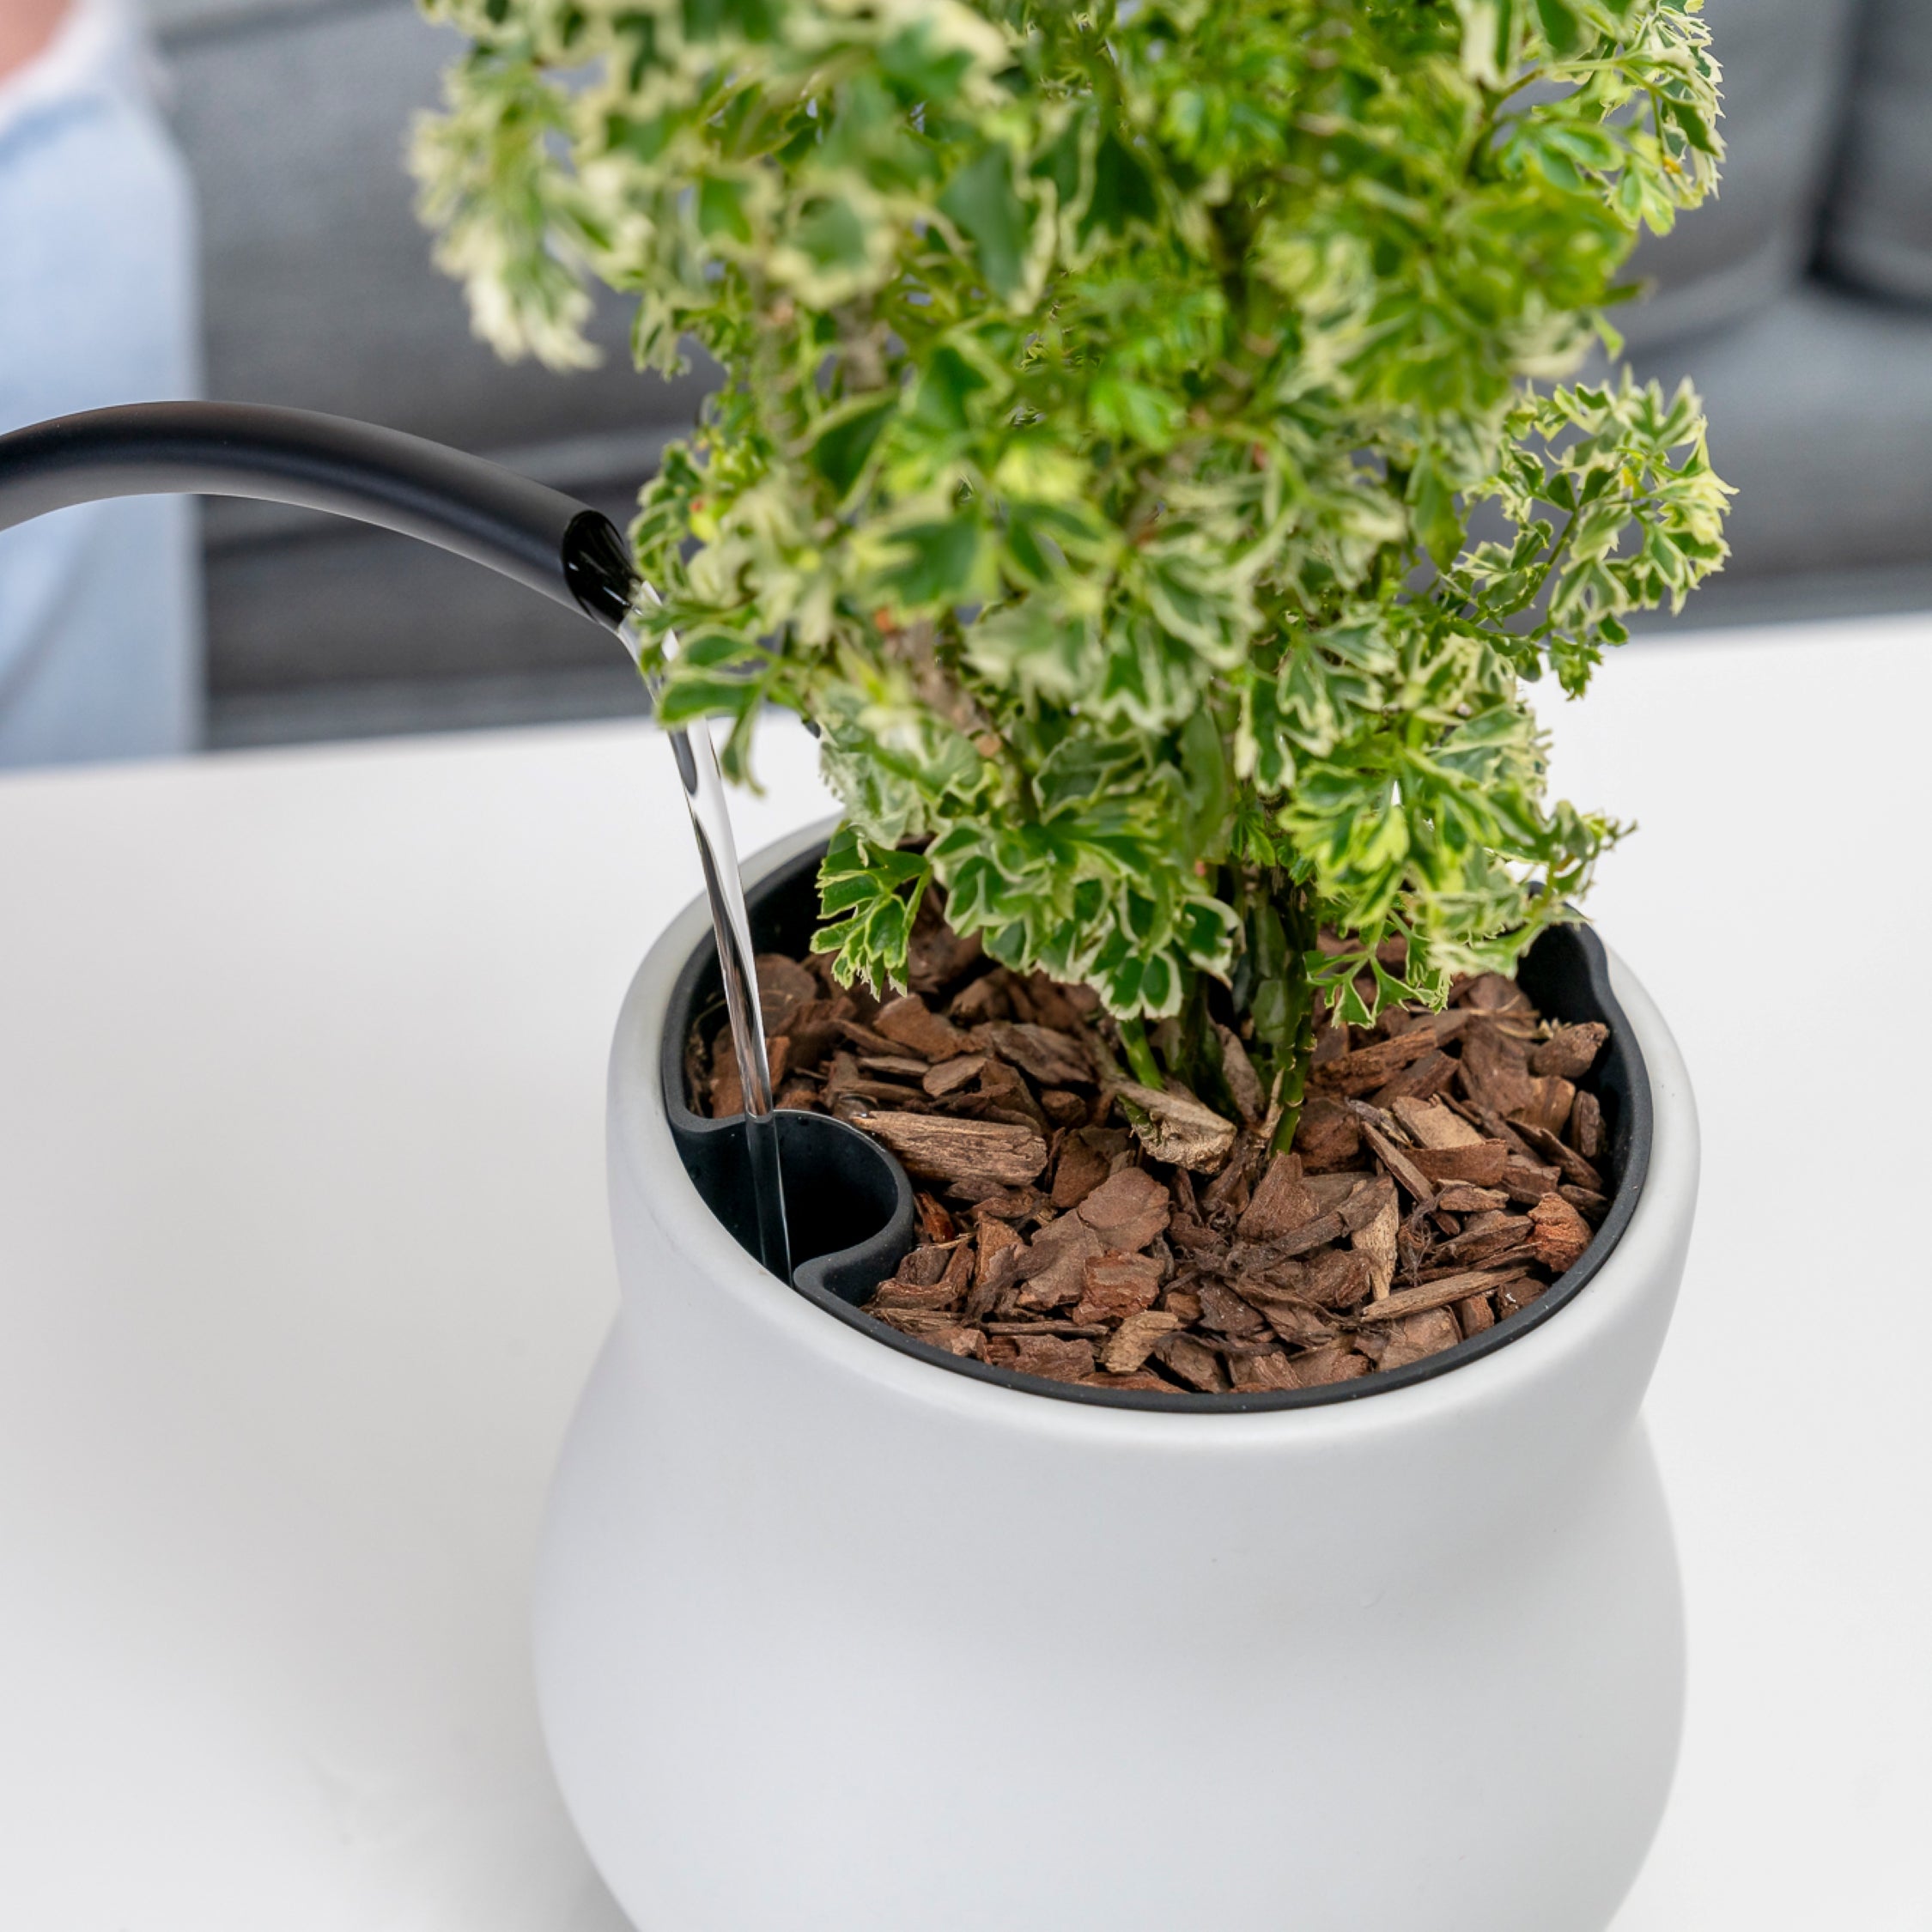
[{"x": 830, "y": 1640}]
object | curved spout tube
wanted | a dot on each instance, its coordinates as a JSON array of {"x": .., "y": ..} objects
[{"x": 539, "y": 536}]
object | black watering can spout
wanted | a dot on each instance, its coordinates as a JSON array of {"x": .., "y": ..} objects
[{"x": 572, "y": 554}]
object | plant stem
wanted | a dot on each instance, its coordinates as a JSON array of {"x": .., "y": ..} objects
[
  {"x": 1141, "y": 1054},
  {"x": 1294, "y": 1062}
]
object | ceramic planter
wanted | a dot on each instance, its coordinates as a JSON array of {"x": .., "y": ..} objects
[{"x": 834, "y": 1635}]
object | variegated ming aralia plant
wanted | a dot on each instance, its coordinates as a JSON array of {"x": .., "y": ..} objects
[{"x": 1143, "y": 450}]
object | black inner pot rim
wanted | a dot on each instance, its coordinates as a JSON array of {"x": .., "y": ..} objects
[{"x": 1569, "y": 974}]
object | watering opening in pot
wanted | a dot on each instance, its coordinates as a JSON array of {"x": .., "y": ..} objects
[{"x": 860, "y": 1222}]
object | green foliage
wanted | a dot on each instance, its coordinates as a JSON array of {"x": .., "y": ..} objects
[{"x": 1142, "y": 452}]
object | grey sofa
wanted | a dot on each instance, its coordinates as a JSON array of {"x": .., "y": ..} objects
[
  {"x": 1801, "y": 301},
  {"x": 319, "y": 292}
]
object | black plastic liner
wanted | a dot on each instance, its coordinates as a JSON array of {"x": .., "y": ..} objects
[{"x": 851, "y": 1205}]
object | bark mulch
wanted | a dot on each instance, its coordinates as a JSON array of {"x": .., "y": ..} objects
[{"x": 1447, "y": 1169}]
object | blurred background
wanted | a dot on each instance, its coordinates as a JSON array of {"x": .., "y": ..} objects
[{"x": 1800, "y": 302}]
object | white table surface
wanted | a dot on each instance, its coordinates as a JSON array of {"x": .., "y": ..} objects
[{"x": 303, "y": 1257}]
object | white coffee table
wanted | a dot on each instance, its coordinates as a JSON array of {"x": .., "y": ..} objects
[{"x": 302, "y": 1257}]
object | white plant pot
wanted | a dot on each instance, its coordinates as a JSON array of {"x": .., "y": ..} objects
[{"x": 830, "y": 1638}]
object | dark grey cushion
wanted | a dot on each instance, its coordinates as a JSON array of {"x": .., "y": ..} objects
[
  {"x": 1821, "y": 417},
  {"x": 1880, "y": 235},
  {"x": 319, "y": 294},
  {"x": 319, "y": 291},
  {"x": 1787, "y": 63}
]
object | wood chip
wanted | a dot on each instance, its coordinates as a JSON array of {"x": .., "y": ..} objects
[
  {"x": 1494, "y": 1070},
  {"x": 1012, "y": 1204},
  {"x": 1485, "y": 1236},
  {"x": 1479, "y": 1164},
  {"x": 1550, "y": 1102},
  {"x": 1430, "y": 1124},
  {"x": 1118, "y": 1285},
  {"x": 1459, "y": 1197},
  {"x": 814, "y": 1029},
  {"x": 1296, "y": 1321},
  {"x": 931, "y": 1325},
  {"x": 936, "y": 955},
  {"x": 1417, "y": 1337},
  {"x": 1497, "y": 1128},
  {"x": 1473, "y": 1314},
  {"x": 1321, "y": 1367},
  {"x": 1054, "y": 1265},
  {"x": 1226, "y": 1196},
  {"x": 1405, "y": 1171},
  {"x": 1337, "y": 1278},
  {"x": 1047, "y": 1325},
  {"x": 908, "y": 1021},
  {"x": 1366, "y": 1199},
  {"x": 934, "y": 1148},
  {"x": 1131, "y": 1344},
  {"x": 784, "y": 986},
  {"x": 1176, "y": 1127},
  {"x": 1193, "y": 1362},
  {"x": 1261, "y": 1374},
  {"x": 1571, "y": 1051},
  {"x": 995, "y": 1266},
  {"x": 1327, "y": 1136},
  {"x": 897, "y": 1293},
  {"x": 935, "y": 1224},
  {"x": 1368, "y": 1067},
  {"x": 1128, "y": 1210},
  {"x": 1007, "y": 1094},
  {"x": 949, "y": 1076},
  {"x": 1197, "y": 1241},
  {"x": 1182, "y": 1302},
  {"x": 1228, "y": 1313},
  {"x": 1080, "y": 1168},
  {"x": 1526, "y": 1182},
  {"x": 1517, "y": 1293},
  {"x": 1282, "y": 1203},
  {"x": 1059, "y": 1006},
  {"x": 1489, "y": 993},
  {"x": 1591, "y": 1206},
  {"x": 728, "y": 1087},
  {"x": 1425, "y": 1079},
  {"x": 893, "y": 1066},
  {"x": 924, "y": 1267},
  {"x": 1456, "y": 1287},
  {"x": 963, "y": 1341},
  {"x": 1375, "y": 1242},
  {"x": 1331, "y": 1043},
  {"x": 1265, "y": 1254},
  {"x": 1055, "y": 1358},
  {"x": 1586, "y": 1125},
  {"x": 1056, "y": 1060},
  {"x": 1558, "y": 1233},
  {"x": 1575, "y": 1168},
  {"x": 979, "y": 1000},
  {"x": 856, "y": 1033},
  {"x": 1332, "y": 1190},
  {"x": 1244, "y": 1083}
]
